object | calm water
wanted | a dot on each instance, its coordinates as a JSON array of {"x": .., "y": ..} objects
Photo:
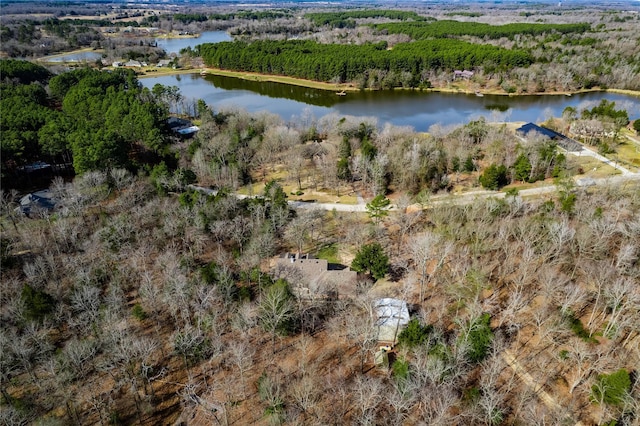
[
  {"x": 419, "y": 110},
  {"x": 174, "y": 45},
  {"x": 76, "y": 57}
]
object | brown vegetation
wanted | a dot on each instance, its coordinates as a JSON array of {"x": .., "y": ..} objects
[{"x": 129, "y": 329}]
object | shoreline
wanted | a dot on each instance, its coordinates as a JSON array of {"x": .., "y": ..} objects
[
  {"x": 346, "y": 87},
  {"x": 294, "y": 81},
  {"x": 48, "y": 58}
]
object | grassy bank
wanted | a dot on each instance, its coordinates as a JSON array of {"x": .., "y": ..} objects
[{"x": 282, "y": 79}]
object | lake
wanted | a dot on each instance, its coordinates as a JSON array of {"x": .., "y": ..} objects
[
  {"x": 175, "y": 45},
  {"x": 170, "y": 45},
  {"x": 75, "y": 57},
  {"x": 417, "y": 109}
]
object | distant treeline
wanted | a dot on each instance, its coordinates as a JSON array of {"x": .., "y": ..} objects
[
  {"x": 441, "y": 29},
  {"x": 187, "y": 18},
  {"x": 346, "y": 19},
  {"x": 324, "y": 62},
  {"x": 468, "y": 14},
  {"x": 63, "y": 27},
  {"x": 253, "y": 15}
]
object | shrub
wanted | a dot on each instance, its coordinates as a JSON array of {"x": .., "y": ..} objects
[
  {"x": 138, "y": 312},
  {"x": 567, "y": 202},
  {"x": 522, "y": 168},
  {"x": 494, "y": 177},
  {"x": 400, "y": 370},
  {"x": 37, "y": 303},
  {"x": 471, "y": 395},
  {"x": 479, "y": 338},
  {"x": 6, "y": 260},
  {"x": 578, "y": 328},
  {"x": 209, "y": 273},
  {"x": 414, "y": 334},
  {"x": 469, "y": 166},
  {"x": 612, "y": 388}
]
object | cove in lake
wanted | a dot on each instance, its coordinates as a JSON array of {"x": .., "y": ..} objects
[
  {"x": 417, "y": 109},
  {"x": 75, "y": 57},
  {"x": 170, "y": 45},
  {"x": 175, "y": 45}
]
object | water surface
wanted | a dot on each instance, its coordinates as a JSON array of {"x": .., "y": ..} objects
[
  {"x": 76, "y": 57},
  {"x": 417, "y": 109},
  {"x": 175, "y": 45}
]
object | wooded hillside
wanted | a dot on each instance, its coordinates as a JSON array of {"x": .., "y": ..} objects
[{"x": 129, "y": 307}]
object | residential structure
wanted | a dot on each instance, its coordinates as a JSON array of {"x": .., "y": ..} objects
[
  {"x": 316, "y": 278},
  {"x": 465, "y": 74},
  {"x": 562, "y": 140}
]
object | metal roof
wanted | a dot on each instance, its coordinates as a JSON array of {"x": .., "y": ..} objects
[{"x": 530, "y": 127}]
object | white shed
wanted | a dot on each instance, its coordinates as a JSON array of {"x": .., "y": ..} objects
[{"x": 393, "y": 317}]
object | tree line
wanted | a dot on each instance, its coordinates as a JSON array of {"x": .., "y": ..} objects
[
  {"x": 447, "y": 28},
  {"x": 346, "y": 19},
  {"x": 324, "y": 62}
]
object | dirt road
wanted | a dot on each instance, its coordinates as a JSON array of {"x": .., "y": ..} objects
[{"x": 530, "y": 382}]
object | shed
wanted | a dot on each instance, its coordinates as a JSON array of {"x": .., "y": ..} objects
[{"x": 392, "y": 318}]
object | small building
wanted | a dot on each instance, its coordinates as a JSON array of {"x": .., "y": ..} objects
[
  {"x": 132, "y": 63},
  {"x": 182, "y": 127},
  {"x": 464, "y": 74},
  {"x": 392, "y": 317},
  {"x": 163, "y": 63}
]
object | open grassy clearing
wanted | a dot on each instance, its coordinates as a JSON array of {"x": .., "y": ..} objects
[
  {"x": 345, "y": 194},
  {"x": 591, "y": 167},
  {"x": 627, "y": 155}
]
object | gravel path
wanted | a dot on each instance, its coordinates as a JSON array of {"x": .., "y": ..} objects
[{"x": 530, "y": 382}]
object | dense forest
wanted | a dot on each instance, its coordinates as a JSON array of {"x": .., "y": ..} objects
[
  {"x": 440, "y": 29},
  {"x": 130, "y": 306},
  {"x": 140, "y": 299},
  {"x": 334, "y": 62},
  {"x": 101, "y": 119},
  {"x": 346, "y": 19}
]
